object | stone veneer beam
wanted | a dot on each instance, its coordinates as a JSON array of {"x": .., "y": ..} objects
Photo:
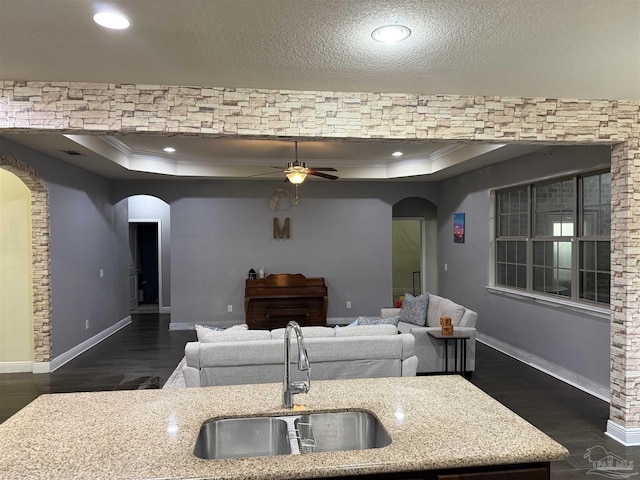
[{"x": 100, "y": 108}]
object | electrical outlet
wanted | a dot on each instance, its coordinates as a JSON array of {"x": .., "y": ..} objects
[
  {"x": 446, "y": 267},
  {"x": 101, "y": 273},
  {"x": 348, "y": 304},
  {"x": 86, "y": 324},
  {"x": 229, "y": 308}
]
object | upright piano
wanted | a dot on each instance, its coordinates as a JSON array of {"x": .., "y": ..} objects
[{"x": 273, "y": 301}]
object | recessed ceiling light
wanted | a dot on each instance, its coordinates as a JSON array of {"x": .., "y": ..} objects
[
  {"x": 169, "y": 149},
  {"x": 391, "y": 33},
  {"x": 113, "y": 20},
  {"x": 397, "y": 154}
]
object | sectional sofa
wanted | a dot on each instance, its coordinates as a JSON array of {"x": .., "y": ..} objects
[
  {"x": 257, "y": 356},
  {"x": 430, "y": 351}
]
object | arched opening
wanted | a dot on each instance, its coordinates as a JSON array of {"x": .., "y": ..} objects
[
  {"x": 26, "y": 220},
  {"x": 414, "y": 247},
  {"x": 149, "y": 275}
]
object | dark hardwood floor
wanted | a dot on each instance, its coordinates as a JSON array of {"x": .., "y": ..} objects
[
  {"x": 141, "y": 355},
  {"x": 145, "y": 353}
]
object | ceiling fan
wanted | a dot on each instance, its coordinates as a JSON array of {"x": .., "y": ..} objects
[{"x": 297, "y": 171}]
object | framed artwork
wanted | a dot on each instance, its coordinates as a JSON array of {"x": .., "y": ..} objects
[{"x": 458, "y": 228}]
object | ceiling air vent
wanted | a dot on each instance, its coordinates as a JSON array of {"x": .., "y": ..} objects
[{"x": 72, "y": 153}]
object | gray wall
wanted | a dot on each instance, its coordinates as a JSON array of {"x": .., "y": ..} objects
[
  {"x": 219, "y": 230},
  {"x": 87, "y": 234},
  {"x": 576, "y": 342},
  {"x": 147, "y": 207}
]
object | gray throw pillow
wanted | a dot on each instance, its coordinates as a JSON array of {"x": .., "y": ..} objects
[
  {"x": 379, "y": 321},
  {"x": 414, "y": 309}
]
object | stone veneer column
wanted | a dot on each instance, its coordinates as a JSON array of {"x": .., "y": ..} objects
[
  {"x": 39, "y": 258},
  {"x": 98, "y": 108}
]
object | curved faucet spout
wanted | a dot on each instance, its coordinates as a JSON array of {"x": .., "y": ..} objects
[{"x": 289, "y": 387}]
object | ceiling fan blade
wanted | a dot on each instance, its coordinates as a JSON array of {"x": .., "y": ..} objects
[
  {"x": 324, "y": 169},
  {"x": 260, "y": 174},
  {"x": 323, "y": 175}
]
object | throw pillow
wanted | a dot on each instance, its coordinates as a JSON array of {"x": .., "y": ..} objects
[
  {"x": 414, "y": 309},
  {"x": 209, "y": 332},
  {"x": 378, "y": 321}
]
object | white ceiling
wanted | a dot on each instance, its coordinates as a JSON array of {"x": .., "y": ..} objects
[{"x": 541, "y": 48}]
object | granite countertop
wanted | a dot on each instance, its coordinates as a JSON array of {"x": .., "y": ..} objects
[{"x": 435, "y": 422}]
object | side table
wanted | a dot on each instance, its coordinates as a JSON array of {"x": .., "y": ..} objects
[{"x": 458, "y": 338}]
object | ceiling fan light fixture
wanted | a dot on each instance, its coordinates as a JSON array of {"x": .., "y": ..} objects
[
  {"x": 297, "y": 176},
  {"x": 391, "y": 33}
]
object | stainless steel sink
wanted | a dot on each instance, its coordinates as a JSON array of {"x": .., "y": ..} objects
[
  {"x": 243, "y": 437},
  {"x": 289, "y": 435},
  {"x": 337, "y": 431}
]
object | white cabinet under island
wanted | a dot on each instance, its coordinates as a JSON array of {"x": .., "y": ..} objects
[{"x": 441, "y": 427}]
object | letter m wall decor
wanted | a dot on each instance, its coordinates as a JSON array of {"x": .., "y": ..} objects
[{"x": 281, "y": 233}]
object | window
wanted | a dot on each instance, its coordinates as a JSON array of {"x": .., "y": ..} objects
[{"x": 554, "y": 238}]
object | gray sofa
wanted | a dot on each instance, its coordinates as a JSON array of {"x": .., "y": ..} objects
[
  {"x": 430, "y": 351},
  {"x": 256, "y": 356}
]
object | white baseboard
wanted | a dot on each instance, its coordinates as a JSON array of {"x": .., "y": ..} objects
[
  {"x": 627, "y": 436},
  {"x": 556, "y": 371},
  {"x": 69, "y": 355},
  {"x": 16, "y": 367},
  {"x": 165, "y": 309},
  {"x": 41, "y": 367}
]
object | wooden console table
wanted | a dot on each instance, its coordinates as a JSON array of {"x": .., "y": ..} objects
[{"x": 273, "y": 301}]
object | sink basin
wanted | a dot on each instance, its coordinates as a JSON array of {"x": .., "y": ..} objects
[
  {"x": 336, "y": 431},
  {"x": 243, "y": 437},
  {"x": 289, "y": 435}
]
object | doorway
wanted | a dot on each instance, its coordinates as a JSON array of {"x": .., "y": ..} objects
[
  {"x": 414, "y": 247},
  {"x": 145, "y": 267}
]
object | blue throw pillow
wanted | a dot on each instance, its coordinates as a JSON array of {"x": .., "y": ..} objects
[{"x": 414, "y": 309}]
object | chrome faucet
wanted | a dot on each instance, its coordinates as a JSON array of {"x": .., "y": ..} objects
[{"x": 289, "y": 387}]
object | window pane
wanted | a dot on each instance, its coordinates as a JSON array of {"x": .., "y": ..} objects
[
  {"x": 514, "y": 225},
  {"x": 521, "y": 253},
  {"x": 504, "y": 225},
  {"x": 588, "y": 256},
  {"x": 543, "y": 225},
  {"x": 502, "y": 274},
  {"x": 511, "y": 275},
  {"x": 503, "y": 202},
  {"x": 564, "y": 254},
  {"x": 605, "y": 188},
  {"x": 588, "y": 285},
  {"x": 511, "y": 252},
  {"x": 502, "y": 251},
  {"x": 538, "y": 253},
  {"x": 604, "y": 256},
  {"x": 605, "y": 220},
  {"x": 538, "y": 279},
  {"x": 591, "y": 191},
  {"x": 603, "y": 287},
  {"x": 521, "y": 272}
]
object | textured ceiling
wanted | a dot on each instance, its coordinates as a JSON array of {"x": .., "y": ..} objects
[
  {"x": 540, "y": 48},
  {"x": 546, "y": 48}
]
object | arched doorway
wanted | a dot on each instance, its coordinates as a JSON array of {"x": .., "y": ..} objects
[
  {"x": 414, "y": 244},
  {"x": 40, "y": 262}
]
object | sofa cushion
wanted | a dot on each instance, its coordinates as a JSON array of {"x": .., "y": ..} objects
[
  {"x": 414, "y": 309},
  {"x": 307, "y": 332},
  {"x": 443, "y": 307},
  {"x": 378, "y": 320},
  {"x": 365, "y": 330}
]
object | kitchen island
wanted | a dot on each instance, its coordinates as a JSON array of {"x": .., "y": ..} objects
[{"x": 439, "y": 425}]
